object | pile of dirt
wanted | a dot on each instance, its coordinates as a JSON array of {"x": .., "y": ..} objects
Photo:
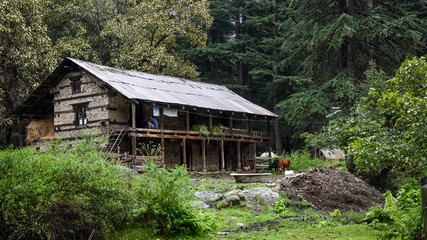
[
  {"x": 40, "y": 130},
  {"x": 329, "y": 188}
]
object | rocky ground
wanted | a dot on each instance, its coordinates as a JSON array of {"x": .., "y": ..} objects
[{"x": 326, "y": 188}]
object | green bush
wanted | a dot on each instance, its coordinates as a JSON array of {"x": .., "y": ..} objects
[
  {"x": 302, "y": 159},
  {"x": 61, "y": 193},
  {"x": 166, "y": 201},
  {"x": 73, "y": 192},
  {"x": 400, "y": 219}
]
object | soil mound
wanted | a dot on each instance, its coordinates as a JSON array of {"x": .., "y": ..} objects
[{"x": 329, "y": 188}]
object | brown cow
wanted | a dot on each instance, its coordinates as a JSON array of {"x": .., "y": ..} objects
[{"x": 280, "y": 165}]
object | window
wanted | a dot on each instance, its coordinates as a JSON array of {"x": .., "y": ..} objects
[
  {"x": 81, "y": 118},
  {"x": 76, "y": 84}
]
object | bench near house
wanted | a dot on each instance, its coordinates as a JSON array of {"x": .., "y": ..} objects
[{"x": 118, "y": 103}]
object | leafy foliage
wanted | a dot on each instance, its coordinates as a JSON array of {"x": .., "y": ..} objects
[
  {"x": 400, "y": 219},
  {"x": 166, "y": 202},
  {"x": 60, "y": 194},
  {"x": 386, "y": 128},
  {"x": 149, "y": 149},
  {"x": 69, "y": 192}
]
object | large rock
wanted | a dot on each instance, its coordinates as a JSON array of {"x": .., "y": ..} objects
[
  {"x": 253, "y": 195},
  {"x": 208, "y": 196},
  {"x": 234, "y": 192},
  {"x": 232, "y": 200}
]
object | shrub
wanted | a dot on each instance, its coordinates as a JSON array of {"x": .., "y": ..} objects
[
  {"x": 302, "y": 159},
  {"x": 62, "y": 193},
  {"x": 166, "y": 200},
  {"x": 399, "y": 218}
]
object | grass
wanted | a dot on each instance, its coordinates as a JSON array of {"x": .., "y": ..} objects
[
  {"x": 302, "y": 160},
  {"x": 295, "y": 221},
  {"x": 351, "y": 231}
]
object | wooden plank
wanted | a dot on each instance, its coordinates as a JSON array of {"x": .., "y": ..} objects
[
  {"x": 133, "y": 106},
  {"x": 222, "y": 156},
  {"x": 255, "y": 163},
  {"x": 248, "y": 140},
  {"x": 239, "y": 164},
  {"x": 230, "y": 126},
  {"x": 187, "y": 121},
  {"x": 204, "y": 154},
  {"x": 162, "y": 118},
  {"x": 184, "y": 152},
  {"x": 83, "y": 96},
  {"x": 210, "y": 122},
  {"x": 89, "y": 108}
]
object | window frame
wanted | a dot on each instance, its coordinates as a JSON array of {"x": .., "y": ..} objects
[
  {"x": 76, "y": 84},
  {"x": 81, "y": 109}
]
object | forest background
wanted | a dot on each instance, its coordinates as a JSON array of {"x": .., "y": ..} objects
[{"x": 312, "y": 62}]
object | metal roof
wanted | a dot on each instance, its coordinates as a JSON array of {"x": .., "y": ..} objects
[{"x": 172, "y": 90}]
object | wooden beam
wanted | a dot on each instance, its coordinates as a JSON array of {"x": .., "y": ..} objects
[
  {"x": 239, "y": 164},
  {"x": 204, "y": 154},
  {"x": 162, "y": 143},
  {"x": 184, "y": 152},
  {"x": 249, "y": 125},
  {"x": 187, "y": 121},
  {"x": 210, "y": 122},
  {"x": 162, "y": 118},
  {"x": 268, "y": 127},
  {"x": 222, "y": 156},
  {"x": 254, "y": 146},
  {"x": 133, "y": 115},
  {"x": 133, "y": 126},
  {"x": 81, "y": 97},
  {"x": 230, "y": 125}
]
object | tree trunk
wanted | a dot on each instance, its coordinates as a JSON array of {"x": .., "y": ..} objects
[{"x": 277, "y": 129}]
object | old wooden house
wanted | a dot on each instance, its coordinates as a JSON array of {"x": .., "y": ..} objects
[{"x": 119, "y": 103}]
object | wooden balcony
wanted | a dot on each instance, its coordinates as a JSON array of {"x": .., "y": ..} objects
[{"x": 234, "y": 135}]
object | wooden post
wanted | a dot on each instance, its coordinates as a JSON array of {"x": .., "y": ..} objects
[
  {"x": 162, "y": 118},
  {"x": 133, "y": 126},
  {"x": 190, "y": 157},
  {"x": 204, "y": 154},
  {"x": 163, "y": 149},
  {"x": 210, "y": 122},
  {"x": 230, "y": 125},
  {"x": 187, "y": 121},
  {"x": 269, "y": 150},
  {"x": 254, "y": 146},
  {"x": 118, "y": 153},
  {"x": 133, "y": 115},
  {"x": 184, "y": 152},
  {"x": 222, "y": 156},
  {"x": 239, "y": 164},
  {"x": 268, "y": 127},
  {"x": 249, "y": 126}
]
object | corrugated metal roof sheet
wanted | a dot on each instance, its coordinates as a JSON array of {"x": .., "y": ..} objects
[{"x": 173, "y": 90}]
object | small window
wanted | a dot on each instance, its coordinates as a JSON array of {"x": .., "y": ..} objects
[
  {"x": 76, "y": 85},
  {"x": 81, "y": 118}
]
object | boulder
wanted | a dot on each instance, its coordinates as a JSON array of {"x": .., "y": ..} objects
[
  {"x": 234, "y": 192},
  {"x": 252, "y": 195},
  {"x": 208, "y": 196},
  {"x": 229, "y": 201}
]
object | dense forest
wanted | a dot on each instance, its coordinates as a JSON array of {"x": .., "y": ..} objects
[
  {"x": 338, "y": 73},
  {"x": 308, "y": 61}
]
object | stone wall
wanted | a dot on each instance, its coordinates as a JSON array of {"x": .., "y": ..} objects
[
  {"x": 119, "y": 111},
  {"x": 92, "y": 93}
]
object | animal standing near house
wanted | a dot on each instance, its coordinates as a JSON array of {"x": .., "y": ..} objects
[{"x": 280, "y": 165}]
